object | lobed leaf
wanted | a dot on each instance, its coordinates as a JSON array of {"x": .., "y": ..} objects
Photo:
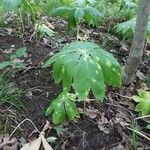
[
  {"x": 78, "y": 15},
  {"x": 92, "y": 14},
  {"x": 60, "y": 11},
  {"x": 62, "y": 108},
  {"x": 5, "y": 64},
  {"x": 85, "y": 66},
  {"x": 143, "y": 99},
  {"x": 11, "y": 4},
  {"x": 20, "y": 52},
  {"x": 71, "y": 110}
]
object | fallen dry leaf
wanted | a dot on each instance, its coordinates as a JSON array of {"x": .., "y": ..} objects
[
  {"x": 101, "y": 124},
  {"x": 9, "y": 31},
  {"x": 17, "y": 60},
  {"x": 34, "y": 145},
  {"x": 140, "y": 75},
  {"x": 124, "y": 47},
  {"x": 92, "y": 113},
  {"x": 45, "y": 144},
  {"x": 8, "y": 144}
]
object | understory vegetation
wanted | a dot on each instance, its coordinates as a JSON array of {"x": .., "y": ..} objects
[{"x": 74, "y": 74}]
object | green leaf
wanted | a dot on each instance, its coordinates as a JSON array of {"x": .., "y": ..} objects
[
  {"x": 58, "y": 70},
  {"x": 51, "y": 139},
  {"x": 71, "y": 110},
  {"x": 71, "y": 20},
  {"x": 126, "y": 28},
  {"x": 130, "y": 4},
  {"x": 19, "y": 65},
  {"x": 43, "y": 29},
  {"x": 11, "y": 4},
  {"x": 148, "y": 126},
  {"x": 81, "y": 81},
  {"x": 59, "y": 114},
  {"x": 57, "y": 110},
  {"x": 52, "y": 59},
  {"x": 97, "y": 75},
  {"x": 60, "y": 11},
  {"x": 110, "y": 67},
  {"x": 75, "y": 13},
  {"x": 92, "y": 14},
  {"x": 62, "y": 108},
  {"x": 85, "y": 66},
  {"x": 78, "y": 15},
  {"x": 5, "y": 64},
  {"x": 143, "y": 99},
  {"x": 20, "y": 52}
]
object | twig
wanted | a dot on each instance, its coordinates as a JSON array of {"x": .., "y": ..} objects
[
  {"x": 143, "y": 117},
  {"x": 23, "y": 28},
  {"x": 139, "y": 133},
  {"x": 21, "y": 124},
  {"x": 122, "y": 95},
  {"x": 116, "y": 105}
]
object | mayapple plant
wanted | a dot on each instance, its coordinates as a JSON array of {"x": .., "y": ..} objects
[
  {"x": 77, "y": 11},
  {"x": 127, "y": 29},
  {"x": 84, "y": 66}
]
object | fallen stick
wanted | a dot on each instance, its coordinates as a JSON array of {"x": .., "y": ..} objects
[{"x": 139, "y": 133}]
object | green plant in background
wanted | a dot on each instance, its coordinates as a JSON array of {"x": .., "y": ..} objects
[
  {"x": 25, "y": 5},
  {"x": 130, "y": 4},
  {"x": 147, "y": 80},
  {"x": 11, "y": 4},
  {"x": 126, "y": 28},
  {"x": 9, "y": 93},
  {"x": 83, "y": 66},
  {"x": 77, "y": 11},
  {"x": 14, "y": 60},
  {"x": 51, "y": 4},
  {"x": 33, "y": 10},
  {"x": 116, "y": 10},
  {"x": 143, "y": 100},
  {"x": 148, "y": 126},
  {"x": 42, "y": 29}
]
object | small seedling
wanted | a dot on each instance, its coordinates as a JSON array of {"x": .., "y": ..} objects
[
  {"x": 143, "y": 100},
  {"x": 14, "y": 60}
]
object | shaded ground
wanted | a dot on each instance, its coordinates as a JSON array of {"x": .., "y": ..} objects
[{"x": 104, "y": 126}]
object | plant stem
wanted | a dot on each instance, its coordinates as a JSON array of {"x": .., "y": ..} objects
[
  {"x": 134, "y": 135},
  {"x": 78, "y": 32},
  {"x": 143, "y": 117},
  {"x": 139, "y": 133},
  {"x": 84, "y": 109},
  {"x": 23, "y": 30}
]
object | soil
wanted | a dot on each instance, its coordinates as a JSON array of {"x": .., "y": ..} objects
[{"x": 106, "y": 131}]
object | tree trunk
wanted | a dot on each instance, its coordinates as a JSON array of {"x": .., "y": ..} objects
[{"x": 139, "y": 37}]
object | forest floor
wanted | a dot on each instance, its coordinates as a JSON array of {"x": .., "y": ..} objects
[{"x": 105, "y": 126}]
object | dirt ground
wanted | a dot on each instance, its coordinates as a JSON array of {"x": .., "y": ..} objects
[{"x": 105, "y": 126}]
